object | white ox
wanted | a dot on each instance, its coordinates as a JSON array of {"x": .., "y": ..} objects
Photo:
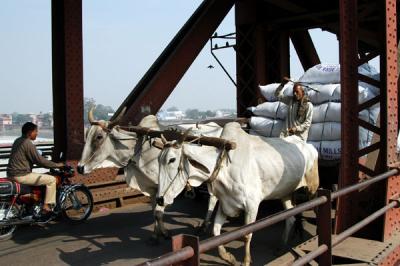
[
  {"x": 107, "y": 145},
  {"x": 258, "y": 169}
]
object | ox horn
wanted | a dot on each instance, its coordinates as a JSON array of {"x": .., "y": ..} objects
[
  {"x": 184, "y": 136},
  {"x": 114, "y": 122},
  {"x": 91, "y": 119},
  {"x": 163, "y": 139}
]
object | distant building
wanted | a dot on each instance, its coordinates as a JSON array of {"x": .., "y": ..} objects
[
  {"x": 5, "y": 120},
  {"x": 33, "y": 118},
  {"x": 44, "y": 120},
  {"x": 170, "y": 115},
  {"x": 225, "y": 114}
]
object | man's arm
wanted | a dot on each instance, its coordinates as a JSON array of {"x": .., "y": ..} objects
[
  {"x": 307, "y": 122},
  {"x": 279, "y": 94},
  {"x": 40, "y": 160}
]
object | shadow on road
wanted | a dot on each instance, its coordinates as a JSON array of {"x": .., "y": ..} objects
[{"x": 121, "y": 237}]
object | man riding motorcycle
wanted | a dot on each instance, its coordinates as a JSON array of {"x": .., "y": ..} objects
[{"x": 23, "y": 156}]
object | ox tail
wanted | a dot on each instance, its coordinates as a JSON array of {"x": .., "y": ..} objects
[{"x": 312, "y": 179}]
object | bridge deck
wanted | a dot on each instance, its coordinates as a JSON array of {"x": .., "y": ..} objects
[{"x": 120, "y": 237}]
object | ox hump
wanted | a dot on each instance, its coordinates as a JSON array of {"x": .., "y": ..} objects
[{"x": 149, "y": 121}]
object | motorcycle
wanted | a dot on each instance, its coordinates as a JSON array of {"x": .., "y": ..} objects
[{"x": 22, "y": 204}]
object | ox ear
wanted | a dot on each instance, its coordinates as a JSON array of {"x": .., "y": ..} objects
[
  {"x": 158, "y": 143},
  {"x": 198, "y": 165}
]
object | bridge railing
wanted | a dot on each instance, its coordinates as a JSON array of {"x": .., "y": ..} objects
[
  {"x": 109, "y": 190},
  {"x": 188, "y": 248},
  {"x": 5, "y": 151}
]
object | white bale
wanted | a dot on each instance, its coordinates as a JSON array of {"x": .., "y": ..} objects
[
  {"x": 324, "y": 131},
  {"x": 327, "y": 150},
  {"x": 322, "y": 73},
  {"x": 369, "y": 71},
  {"x": 326, "y": 112},
  {"x": 268, "y": 91},
  {"x": 398, "y": 143},
  {"x": 209, "y": 129},
  {"x": 266, "y": 127},
  {"x": 275, "y": 110},
  {"x": 327, "y": 92},
  {"x": 330, "y": 73}
]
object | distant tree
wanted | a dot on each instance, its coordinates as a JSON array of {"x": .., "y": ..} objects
[
  {"x": 192, "y": 113},
  {"x": 210, "y": 113},
  {"x": 47, "y": 119},
  {"x": 172, "y": 109},
  {"x": 100, "y": 113}
]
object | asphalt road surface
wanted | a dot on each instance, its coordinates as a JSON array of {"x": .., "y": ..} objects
[{"x": 120, "y": 237}]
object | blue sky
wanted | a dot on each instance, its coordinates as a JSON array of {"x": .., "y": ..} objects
[{"x": 121, "y": 40}]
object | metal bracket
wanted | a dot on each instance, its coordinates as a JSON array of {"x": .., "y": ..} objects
[
  {"x": 230, "y": 36},
  {"x": 396, "y": 199}
]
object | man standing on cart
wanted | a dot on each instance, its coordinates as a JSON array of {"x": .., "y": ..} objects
[{"x": 300, "y": 111}]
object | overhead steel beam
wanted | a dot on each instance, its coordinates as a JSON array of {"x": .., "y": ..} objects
[
  {"x": 305, "y": 49},
  {"x": 66, "y": 18},
  {"x": 287, "y": 5},
  {"x": 160, "y": 80}
]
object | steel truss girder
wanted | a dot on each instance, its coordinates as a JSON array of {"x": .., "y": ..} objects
[
  {"x": 160, "y": 80},
  {"x": 355, "y": 207}
]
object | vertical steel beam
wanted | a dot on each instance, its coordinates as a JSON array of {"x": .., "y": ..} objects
[
  {"x": 261, "y": 56},
  {"x": 305, "y": 48},
  {"x": 66, "y": 16},
  {"x": 349, "y": 113},
  {"x": 160, "y": 80},
  {"x": 389, "y": 77}
]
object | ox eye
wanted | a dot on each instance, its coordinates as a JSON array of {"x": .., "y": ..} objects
[{"x": 171, "y": 160}]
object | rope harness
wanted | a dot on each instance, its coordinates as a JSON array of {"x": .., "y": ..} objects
[
  {"x": 181, "y": 168},
  {"x": 108, "y": 135}
]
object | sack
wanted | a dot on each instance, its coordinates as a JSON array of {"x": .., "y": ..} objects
[
  {"x": 275, "y": 110},
  {"x": 210, "y": 129},
  {"x": 327, "y": 150},
  {"x": 330, "y": 73},
  {"x": 369, "y": 71},
  {"x": 326, "y": 112},
  {"x": 327, "y": 92},
  {"x": 268, "y": 91},
  {"x": 266, "y": 127},
  {"x": 322, "y": 73},
  {"x": 324, "y": 131}
]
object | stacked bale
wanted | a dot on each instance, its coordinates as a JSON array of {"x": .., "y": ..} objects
[{"x": 325, "y": 131}]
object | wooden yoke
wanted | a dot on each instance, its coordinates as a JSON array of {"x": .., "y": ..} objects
[{"x": 176, "y": 135}]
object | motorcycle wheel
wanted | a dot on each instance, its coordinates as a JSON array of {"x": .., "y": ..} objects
[
  {"x": 78, "y": 205},
  {"x": 6, "y": 232}
]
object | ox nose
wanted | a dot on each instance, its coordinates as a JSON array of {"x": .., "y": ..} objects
[
  {"x": 81, "y": 169},
  {"x": 160, "y": 201}
]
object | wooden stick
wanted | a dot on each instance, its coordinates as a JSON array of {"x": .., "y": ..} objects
[{"x": 176, "y": 135}]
